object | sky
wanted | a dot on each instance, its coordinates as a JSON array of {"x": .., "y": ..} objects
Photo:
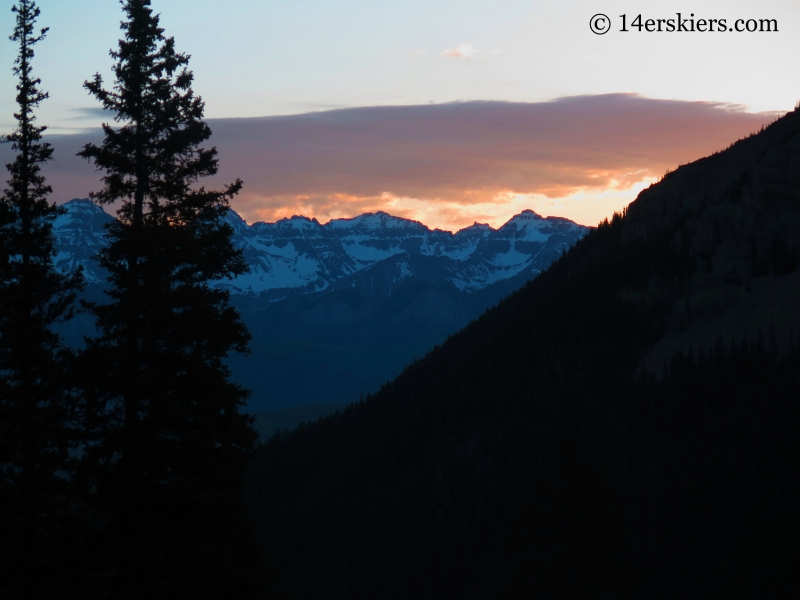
[{"x": 448, "y": 112}]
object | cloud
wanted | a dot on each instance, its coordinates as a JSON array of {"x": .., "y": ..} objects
[
  {"x": 460, "y": 51},
  {"x": 91, "y": 112},
  {"x": 449, "y": 163}
]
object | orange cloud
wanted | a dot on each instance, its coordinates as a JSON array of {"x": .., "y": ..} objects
[{"x": 450, "y": 163}]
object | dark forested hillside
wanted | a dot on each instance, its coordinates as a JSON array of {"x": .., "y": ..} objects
[{"x": 623, "y": 426}]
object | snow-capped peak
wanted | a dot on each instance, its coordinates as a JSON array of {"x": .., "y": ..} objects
[{"x": 374, "y": 221}]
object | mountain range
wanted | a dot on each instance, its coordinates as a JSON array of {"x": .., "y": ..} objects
[
  {"x": 336, "y": 309},
  {"x": 299, "y": 255}
]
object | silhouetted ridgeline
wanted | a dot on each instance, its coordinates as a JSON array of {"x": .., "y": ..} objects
[{"x": 623, "y": 426}]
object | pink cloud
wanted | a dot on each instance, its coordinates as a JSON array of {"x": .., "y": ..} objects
[{"x": 461, "y": 156}]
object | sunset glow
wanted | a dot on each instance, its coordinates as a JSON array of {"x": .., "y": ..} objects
[
  {"x": 451, "y": 165},
  {"x": 441, "y": 115}
]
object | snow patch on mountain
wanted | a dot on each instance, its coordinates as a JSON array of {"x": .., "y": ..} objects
[
  {"x": 368, "y": 254},
  {"x": 511, "y": 258}
]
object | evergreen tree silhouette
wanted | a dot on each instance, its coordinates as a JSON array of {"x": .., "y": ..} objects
[
  {"x": 170, "y": 443},
  {"x": 36, "y": 416}
]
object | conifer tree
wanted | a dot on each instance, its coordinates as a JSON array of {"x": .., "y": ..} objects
[
  {"x": 170, "y": 441},
  {"x": 36, "y": 415}
]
